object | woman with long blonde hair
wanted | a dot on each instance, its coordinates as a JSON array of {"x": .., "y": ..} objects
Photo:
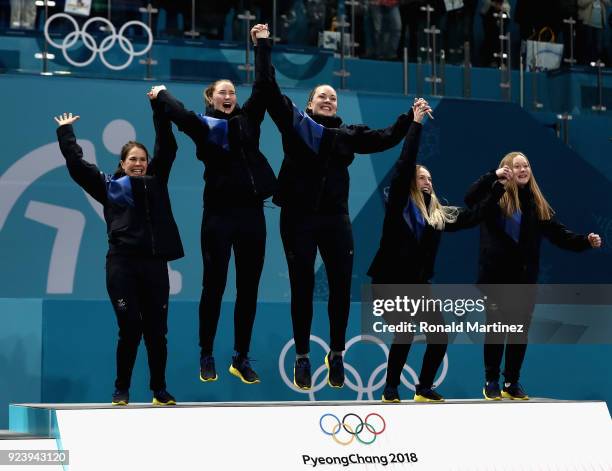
[
  {"x": 510, "y": 240},
  {"x": 414, "y": 222}
]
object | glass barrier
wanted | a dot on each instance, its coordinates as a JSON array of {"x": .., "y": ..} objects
[{"x": 420, "y": 46}]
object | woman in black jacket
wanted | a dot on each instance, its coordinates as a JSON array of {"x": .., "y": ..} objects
[
  {"x": 510, "y": 239},
  {"x": 313, "y": 186},
  {"x": 142, "y": 238},
  {"x": 413, "y": 225},
  {"x": 238, "y": 180}
]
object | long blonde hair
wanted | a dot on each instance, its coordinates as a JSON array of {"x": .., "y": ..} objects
[
  {"x": 510, "y": 203},
  {"x": 437, "y": 215}
]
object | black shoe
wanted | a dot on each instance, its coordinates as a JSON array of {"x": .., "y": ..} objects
[
  {"x": 491, "y": 391},
  {"x": 241, "y": 367},
  {"x": 207, "y": 369},
  {"x": 423, "y": 394},
  {"x": 121, "y": 397},
  {"x": 335, "y": 370},
  {"x": 390, "y": 394},
  {"x": 514, "y": 391},
  {"x": 301, "y": 373},
  {"x": 163, "y": 398}
]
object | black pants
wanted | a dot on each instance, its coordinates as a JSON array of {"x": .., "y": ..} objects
[
  {"x": 514, "y": 344},
  {"x": 244, "y": 231},
  {"x": 332, "y": 234},
  {"x": 138, "y": 288},
  {"x": 437, "y": 343}
]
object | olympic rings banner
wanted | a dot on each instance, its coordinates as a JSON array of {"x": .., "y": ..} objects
[
  {"x": 84, "y": 36},
  {"x": 354, "y": 436}
]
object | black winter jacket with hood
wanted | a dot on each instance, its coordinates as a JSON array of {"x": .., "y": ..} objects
[
  {"x": 502, "y": 258},
  {"x": 236, "y": 173},
  {"x": 404, "y": 256},
  {"x": 314, "y": 175},
  {"x": 137, "y": 210}
]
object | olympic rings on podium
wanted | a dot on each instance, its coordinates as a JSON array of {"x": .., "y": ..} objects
[
  {"x": 354, "y": 432},
  {"x": 364, "y": 387}
]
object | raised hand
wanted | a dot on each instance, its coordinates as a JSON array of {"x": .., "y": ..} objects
[
  {"x": 423, "y": 102},
  {"x": 152, "y": 94},
  {"x": 420, "y": 108},
  {"x": 504, "y": 174},
  {"x": 259, "y": 31},
  {"x": 594, "y": 240},
  {"x": 65, "y": 118}
]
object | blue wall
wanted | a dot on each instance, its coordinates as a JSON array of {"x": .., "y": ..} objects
[
  {"x": 20, "y": 353},
  {"x": 466, "y": 139},
  {"x": 75, "y": 357}
]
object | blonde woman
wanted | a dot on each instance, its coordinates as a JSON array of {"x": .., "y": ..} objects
[
  {"x": 510, "y": 239},
  {"x": 413, "y": 225}
]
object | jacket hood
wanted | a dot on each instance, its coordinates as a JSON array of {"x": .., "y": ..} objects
[
  {"x": 214, "y": 113},
  {"x": 327, "y": 121}
]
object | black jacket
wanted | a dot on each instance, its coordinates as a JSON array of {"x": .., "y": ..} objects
[
  {"x": 314, "y": 175},
  {"x": 402, "y": 257},
  {"x": 502, "y": 260},
  {"x": 137, "y": 210},
  {"x": 237, "y": 174}
]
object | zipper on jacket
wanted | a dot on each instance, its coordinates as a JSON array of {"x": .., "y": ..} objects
[
  {"x": 148, "y": 215},
  {"x": 324, "y": 178},
  {"x": 246, "y": 163}
]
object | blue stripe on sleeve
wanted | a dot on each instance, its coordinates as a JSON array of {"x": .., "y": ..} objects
[{"x": 217, "y": 130}]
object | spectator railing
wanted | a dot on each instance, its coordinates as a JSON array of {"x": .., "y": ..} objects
[{"x": 317, "y": 41}]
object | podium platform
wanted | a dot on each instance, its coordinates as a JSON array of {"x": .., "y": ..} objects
[{"x": 456, "y": 435}]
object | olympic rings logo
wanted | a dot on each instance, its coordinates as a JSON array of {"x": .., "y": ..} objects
[
  {"x": 364, "y": 387},
  {"x": 354, "y": 428},
  {"x": 105, "y": 45}
]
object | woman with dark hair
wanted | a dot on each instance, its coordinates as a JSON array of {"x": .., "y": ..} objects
[
  {"x": 413, "y": 225},
  {"x": 510, "y": 239},
  {"x": 313, "y": 196},
  {"x": 142, "y": 238},
  {"x": 238, "y": 180}
]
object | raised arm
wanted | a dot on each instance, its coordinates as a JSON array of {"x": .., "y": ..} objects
[
  {"x": 472, "y": 216},
  {"x": 404, "y": 172},
  {"x": 482, "y": 187},
  {"x": 280, "y": 107},
  {"x": 255, "y": 105},
  {"x": 289, "y": 119},
  {"x": 364, "y": 140},
  {"x": 165, "y": 149},
  {"x": 187, "y": 121},
  {"x": 87, "y": 175}
]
